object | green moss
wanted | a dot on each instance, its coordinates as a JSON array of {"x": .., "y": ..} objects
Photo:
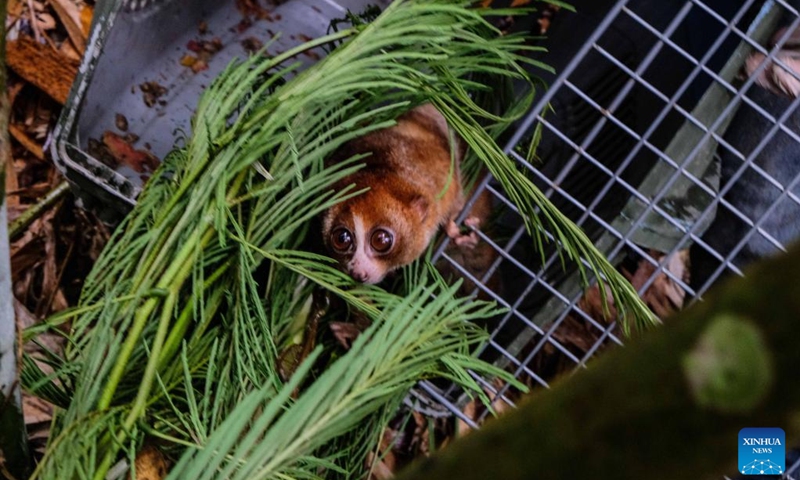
[{"x": 730, "y": 367}]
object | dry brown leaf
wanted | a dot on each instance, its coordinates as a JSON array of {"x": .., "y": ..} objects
[
  {"x": 470, "y": 411},
  {"x": 37, "y": 190},
  {"x": 59, "y": 301},
  {"x": 383, "y": 468},
  {"x": 26, "y": 141},
  {"x": 476, "y": 410},
  {"x": 31, "y": 13},
  {"x": 69, "y": 51},
  {"x": 11, "y": 184},
  {"x": 87, "y": 12},
  {"x": 577, "y": 335},
  {"x": 664, "y": 296},
  {"x": 14, "y": 211},
  {"x": 151, "y": 464},
  {"x": 380, "y": 469},
  {"x": 35, "y": 270},
  {"x": 13, "y": 91},
  {"x": 14, "y": 9},
  {"x": 36, "y": 410},
  {"x": 43, "y": 67},
  {"x": 50, "y": 266},
  {"x": 124, "y": 153},
  {"x": 408, "y": 437},
  {"x": 678, "y": 265},
  {"x": 253, "y": 8},
  {"x": 421, "y": 434},
  {"x": 37, "y": 414},
  {"x": 592, "y": 304},
  {"x": 51, "y": 342},
  {"x": 70, "y": 17},
  {"x": 44, "y": 22},
  {"x": 23, "y": 316},
  {"x": 24, "y": 284},
  {"x": 95, "y": 234},
  {"x": 25, "y": 253}
]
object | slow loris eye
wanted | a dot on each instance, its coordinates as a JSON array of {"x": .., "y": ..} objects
[
  {"x": 381, "y": 241},
  {"x": 341, "y": 239}
]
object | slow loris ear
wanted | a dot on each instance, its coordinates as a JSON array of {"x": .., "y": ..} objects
[{"x": 420, "y": 205}]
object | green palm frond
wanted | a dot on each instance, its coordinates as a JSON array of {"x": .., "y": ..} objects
[
  {"x": 414, "y": 338},
  {"x": 177, "y": 338}
]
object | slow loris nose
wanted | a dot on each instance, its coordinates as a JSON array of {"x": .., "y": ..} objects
[{"x": 359, "y": 275}]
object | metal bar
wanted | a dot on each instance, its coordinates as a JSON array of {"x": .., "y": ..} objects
[
  {"x": 431, "y": 390},
  {"x": 571, "y": 67}
]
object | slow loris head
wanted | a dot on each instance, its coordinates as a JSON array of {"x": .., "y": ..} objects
[
  {"x": 377, "y": 232},
  {"x": 414, "y": 186}
]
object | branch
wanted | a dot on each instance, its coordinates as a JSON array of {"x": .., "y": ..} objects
[
  {"x": 669, "y": 403},
  {"x": 36, "y": 210}
]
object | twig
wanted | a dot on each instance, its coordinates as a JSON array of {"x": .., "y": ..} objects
[
  {"x": 26, "y": 141},
  {"x": 36, "y": 210},
  {"x": 34, "y": 26},
  {"x": 48, "y": 305},
  {"x": 71, "y": 19},
  {"x": 4, "y": 471},
  {"x": 10, "y": 183}
]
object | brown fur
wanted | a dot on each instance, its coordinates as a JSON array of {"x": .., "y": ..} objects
[
  {"x": 477, "y": 259},
  {"x": 412, "y": 190}
]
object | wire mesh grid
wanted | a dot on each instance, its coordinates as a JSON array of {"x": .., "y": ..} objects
[{"x": 653, "y": 140}]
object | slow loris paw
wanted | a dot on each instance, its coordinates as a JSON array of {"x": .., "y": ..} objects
[
  {"x": 464, "y": 240},
  {"x": 473, "y": 222},
  {"x": 345, "y": 333}
]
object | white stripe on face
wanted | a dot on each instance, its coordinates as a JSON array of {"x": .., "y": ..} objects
[
  {"x": 362, "y": 266},
  {"x": 360, "y": 237}
]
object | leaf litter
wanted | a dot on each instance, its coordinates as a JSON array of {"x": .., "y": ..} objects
[{"x": 52, "y": 256}]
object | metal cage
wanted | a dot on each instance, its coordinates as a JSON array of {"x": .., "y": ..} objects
[{"x": 656, "y": 143}]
